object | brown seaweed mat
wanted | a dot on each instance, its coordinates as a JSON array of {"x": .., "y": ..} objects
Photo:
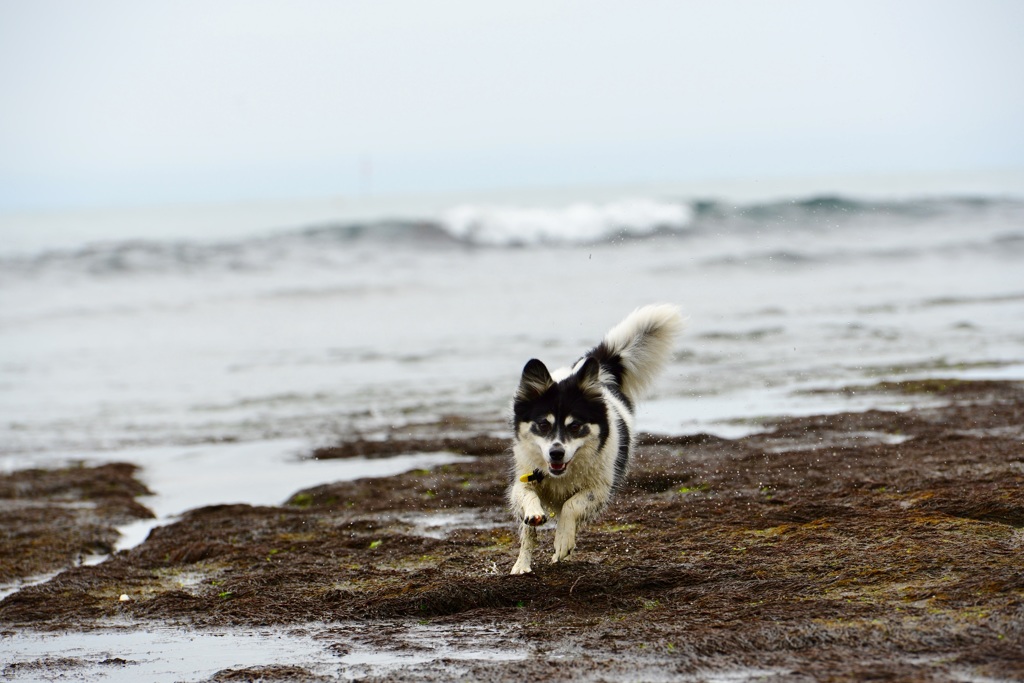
[{"x": 858, "y": 546}]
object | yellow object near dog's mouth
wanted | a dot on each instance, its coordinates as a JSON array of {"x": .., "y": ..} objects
[{"x": 536, "y": 475}]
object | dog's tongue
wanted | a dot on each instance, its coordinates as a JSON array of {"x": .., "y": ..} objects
[{"x": 558, "y": 467}]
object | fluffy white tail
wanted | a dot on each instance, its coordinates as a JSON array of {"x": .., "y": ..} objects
[{"x": 637, "y": 348}]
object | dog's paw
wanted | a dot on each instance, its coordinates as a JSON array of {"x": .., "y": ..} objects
[
  {"x": 521, "y": 567},
  {"x": 535, "y": 520},
  {"x": 563, "y": 550}
]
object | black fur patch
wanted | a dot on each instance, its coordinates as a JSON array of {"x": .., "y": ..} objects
[
  {"x": 622, "y": 458},
  {"x": 612, "y": 364}
]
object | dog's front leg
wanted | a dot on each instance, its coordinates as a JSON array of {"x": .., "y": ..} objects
[
  {"x": 575, "y": 511},
  {"x": 527, "y": 542},
  {"x": 528, "y": 509}
]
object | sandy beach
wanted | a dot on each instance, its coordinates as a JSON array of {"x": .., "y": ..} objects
[{"x": 860, "y": 545}]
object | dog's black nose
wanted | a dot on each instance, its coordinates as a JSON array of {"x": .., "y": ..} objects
[{"x": 557, "y": 452}]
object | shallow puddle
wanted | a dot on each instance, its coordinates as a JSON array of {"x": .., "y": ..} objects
[
  {"x": 155, "y": 655},
  {"x": 170, "y": 654}
]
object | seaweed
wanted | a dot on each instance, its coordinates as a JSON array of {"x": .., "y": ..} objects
[{"x": 808, "y": 560}]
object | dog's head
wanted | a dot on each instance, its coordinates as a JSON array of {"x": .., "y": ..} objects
[{"x": 561, "y": 419}]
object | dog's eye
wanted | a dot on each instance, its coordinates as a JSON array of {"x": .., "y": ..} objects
[
  {"x": 576, "y": 429},
  {"x": 542, "y": 427}
]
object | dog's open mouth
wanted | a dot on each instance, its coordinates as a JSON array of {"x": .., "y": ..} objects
[{"x": 557, "y": 468}]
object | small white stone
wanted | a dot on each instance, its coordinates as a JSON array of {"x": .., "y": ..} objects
[{"x": 124, "y": 597}]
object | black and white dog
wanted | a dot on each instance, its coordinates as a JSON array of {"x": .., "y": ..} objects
[{"x": 574, "y": 428}]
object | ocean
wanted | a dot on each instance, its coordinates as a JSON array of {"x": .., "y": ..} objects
[{"x": 217, "y": 347}]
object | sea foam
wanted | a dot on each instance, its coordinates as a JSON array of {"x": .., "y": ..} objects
[{"x": 571, "y": 224}]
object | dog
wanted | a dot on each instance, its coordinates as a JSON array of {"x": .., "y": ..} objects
[{"x": 574, "y": 428}]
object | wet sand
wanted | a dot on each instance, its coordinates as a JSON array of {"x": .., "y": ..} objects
[{"x": 874, "y": 545}]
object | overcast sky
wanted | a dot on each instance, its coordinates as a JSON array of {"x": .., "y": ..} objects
[{"x": 108, "y": 103}]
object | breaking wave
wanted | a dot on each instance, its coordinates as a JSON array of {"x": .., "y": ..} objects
[
  {"x": 573, "y": 224},
  {"x": 497, "y": 226}
]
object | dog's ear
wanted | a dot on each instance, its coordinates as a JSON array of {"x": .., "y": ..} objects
[
  {"x": 588, "y": 377},
  {"x": 535, "y": 381}
]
